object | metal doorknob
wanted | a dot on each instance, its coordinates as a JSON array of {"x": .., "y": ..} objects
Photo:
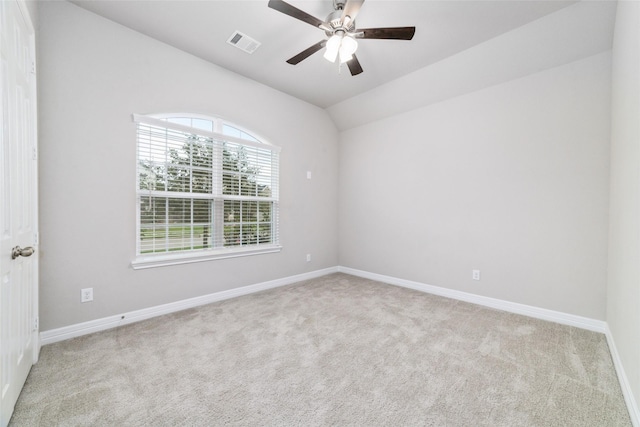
[{"x": 18, "y": 251}]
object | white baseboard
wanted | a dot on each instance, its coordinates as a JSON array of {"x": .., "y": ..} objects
[
  {"x": 632, "y": 406},
  {"x": 72, "y": 331},
  {"x": 512, "y": 307}
]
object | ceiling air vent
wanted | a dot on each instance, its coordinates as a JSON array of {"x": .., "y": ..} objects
[{"x": 243, "y": 42}]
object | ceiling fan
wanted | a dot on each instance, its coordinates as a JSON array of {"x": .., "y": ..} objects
[{"x": 340, "y": 28}]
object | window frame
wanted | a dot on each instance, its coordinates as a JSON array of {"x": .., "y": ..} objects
[{"x": 165, "y": 258}]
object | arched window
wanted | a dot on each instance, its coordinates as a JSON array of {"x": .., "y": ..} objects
[{"x": 206, "y": 189}]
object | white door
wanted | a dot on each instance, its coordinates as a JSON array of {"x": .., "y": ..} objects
[{"x": 19, "y": 344}]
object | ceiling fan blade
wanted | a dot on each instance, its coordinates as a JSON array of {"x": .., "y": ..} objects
[
  {"x": 307, "y": 53},
  {"x": 351, "y": 9},
  {"x": 395, "y": 33},
  {"x": 294, "y": 12},
  {"x": 354, "y": 66}
]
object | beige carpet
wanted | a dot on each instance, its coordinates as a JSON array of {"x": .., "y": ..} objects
[{"x": 338, "y": 350}]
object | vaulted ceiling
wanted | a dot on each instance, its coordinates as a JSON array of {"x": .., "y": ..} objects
[{"x": 443, "y": 29}]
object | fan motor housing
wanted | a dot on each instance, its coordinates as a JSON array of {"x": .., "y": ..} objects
[{"x": 335, "y": 22}]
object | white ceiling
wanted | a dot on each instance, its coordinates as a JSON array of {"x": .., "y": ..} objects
[{"x": 443, "y": 29}]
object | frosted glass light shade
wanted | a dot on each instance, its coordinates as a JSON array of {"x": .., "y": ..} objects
[
  {"x": 344, "y": 56},
  {"x": 333, "y": 46},
  {"x": 350, "y": 45},
  {"x": 347, "y": 49}
]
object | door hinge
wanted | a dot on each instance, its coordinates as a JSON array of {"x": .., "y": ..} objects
[
  {"x": 35, "y": 238},
  {"x": 33, "y": 67},
  {"x": 36, "y": 323}
]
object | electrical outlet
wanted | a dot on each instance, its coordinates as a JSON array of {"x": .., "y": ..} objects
[
  {"x": 86, "y": 295},
  {"x": 476, "y": 275},
  {"x": 308, "y": 174},
  {"x": 308, "y": 257}
]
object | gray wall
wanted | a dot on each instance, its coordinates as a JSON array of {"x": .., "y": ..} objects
[
  {"x": 511, "y": 180},
  {"x": 623, "y": 291},
  {"x": 93, "y": 74}
]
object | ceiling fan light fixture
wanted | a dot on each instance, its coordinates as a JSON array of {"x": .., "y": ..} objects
[{"x": 340, "y": 44}]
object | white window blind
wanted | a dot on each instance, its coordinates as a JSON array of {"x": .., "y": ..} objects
[{"x": 202, "y": 192}]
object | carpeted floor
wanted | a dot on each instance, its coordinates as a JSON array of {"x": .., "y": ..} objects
[{"x": 338, "y": 350}]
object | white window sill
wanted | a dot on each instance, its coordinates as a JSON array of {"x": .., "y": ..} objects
[{"x": 163, "y": 260}]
